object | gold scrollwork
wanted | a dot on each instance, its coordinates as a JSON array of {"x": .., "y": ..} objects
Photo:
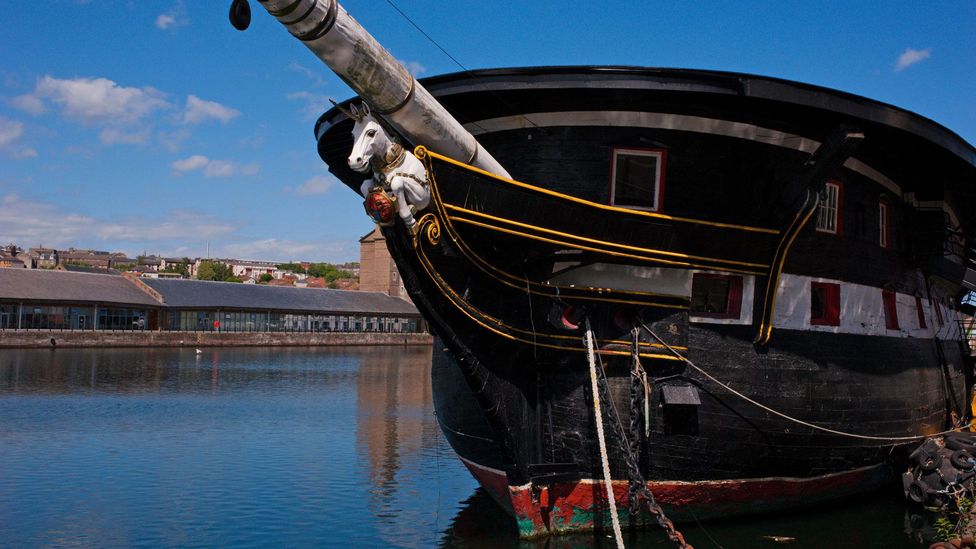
[
  {"x": 430, "y": 227},
  {"x": 420, "y": 152}
]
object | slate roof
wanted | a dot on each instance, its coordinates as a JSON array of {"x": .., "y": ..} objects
[
  {"x": 68, "y": 287},
  {"x": 196, "y": 294},
  {"x": 40, "y": 285}
]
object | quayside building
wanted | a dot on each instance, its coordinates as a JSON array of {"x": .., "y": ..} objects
[{"x": 53, "y": 300}]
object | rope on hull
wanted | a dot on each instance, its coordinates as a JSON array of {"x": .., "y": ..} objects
[{"x": 598, "y": 417}]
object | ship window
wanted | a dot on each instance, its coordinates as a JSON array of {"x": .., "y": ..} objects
[
  {"x": 890, "y": 309},
  {"x": 884, "y": 225},
  {"x": 920, "y": 312},
  {"x": 824, "y": 304},
  {"x": 828, "y": 213},
  {"x": 716, "y": 296},
  {"x": 637, "y": 178}
]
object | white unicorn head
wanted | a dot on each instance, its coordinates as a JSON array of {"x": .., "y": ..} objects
[{"x": 370, "y": 140}]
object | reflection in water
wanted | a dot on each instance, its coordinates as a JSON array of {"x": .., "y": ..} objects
[{"x": 280, "y": 446}]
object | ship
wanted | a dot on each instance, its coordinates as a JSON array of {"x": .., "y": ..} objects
[{"x": 663, "y": 292}]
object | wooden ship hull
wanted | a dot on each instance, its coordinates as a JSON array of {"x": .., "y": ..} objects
[
  {"x": 837, "y": 307},
  {"x": 758, "y": 281}
]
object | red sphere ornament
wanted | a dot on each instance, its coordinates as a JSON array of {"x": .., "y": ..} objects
[{"x": 380, "y": 207}]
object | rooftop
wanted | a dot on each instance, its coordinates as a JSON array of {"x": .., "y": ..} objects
[
  {"x": 36, "y": 285},
  {"x": 231, "y": 295},
  {"x": 69, "y": 287}
]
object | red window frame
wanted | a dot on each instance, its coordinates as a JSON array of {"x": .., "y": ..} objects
[
  {"x": 733, "y": 307},
  {"x": 884, "y": 224},
  {"x": 839, "y": 221},
  {"x": 830, "y": 293},
  {"x": 890, "y": 302},
  {"x": 662, "y": 155},
  {"x": 921, "y": 313}
]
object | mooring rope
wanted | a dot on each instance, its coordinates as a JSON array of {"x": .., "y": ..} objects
[
  {"x": 607, "y": 481},
  {"x": 791, "y": 418}
]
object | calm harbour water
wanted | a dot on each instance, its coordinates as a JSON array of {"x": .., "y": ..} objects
[{"x": 287, "y": 447}]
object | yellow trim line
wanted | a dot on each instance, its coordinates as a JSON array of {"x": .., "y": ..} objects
[
  {"x": 457, "y": 301},
  {"x": 421, "y": 151},
  {"x": 598, "y": 242}
]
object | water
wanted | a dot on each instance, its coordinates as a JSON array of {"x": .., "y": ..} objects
[{"x": 286, "y": 447}]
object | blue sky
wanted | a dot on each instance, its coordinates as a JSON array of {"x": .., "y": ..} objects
[{"x": 155, "y": 126}]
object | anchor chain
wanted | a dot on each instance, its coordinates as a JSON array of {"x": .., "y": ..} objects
[
  {"x": 636, "y": 401},
  {"x": 633, "y": 469}
]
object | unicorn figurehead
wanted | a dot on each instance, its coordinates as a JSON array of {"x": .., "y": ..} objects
[
  {"x": 399, "y": 180},
  {"x": 370, "y": 139}
]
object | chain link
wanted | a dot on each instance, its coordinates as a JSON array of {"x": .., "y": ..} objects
[{"x": 637, "y": 481}]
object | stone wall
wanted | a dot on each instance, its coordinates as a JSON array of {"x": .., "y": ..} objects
[{"x": 44, "y": 338}]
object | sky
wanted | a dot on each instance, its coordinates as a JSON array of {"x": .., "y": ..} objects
[{"x": 153, "y": 126}]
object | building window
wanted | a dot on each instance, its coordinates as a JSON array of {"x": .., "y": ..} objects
[
  {"x": 637, "y": 178},
  {"x": 884, "y": 225},
  {"x": 921, "y": 313},
  {"x": 824, "y": 304},
  {"x": 890, "y": 309},
  {"x": 828, "y": 213},
  {"x": 716, "y": 296}
]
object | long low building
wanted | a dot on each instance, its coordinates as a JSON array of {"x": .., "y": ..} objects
[{"x": 54, "y": 300}]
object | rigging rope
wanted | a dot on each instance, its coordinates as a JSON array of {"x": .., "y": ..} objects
[
  {"x": 599, "y": 433},
  {"x": 790, "y": 418}
]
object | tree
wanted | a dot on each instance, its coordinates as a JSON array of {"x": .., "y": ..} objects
[
  {"x": 212, "y": 270},
  {"x": 265, "y": 278},
  {"x": 292, "y": 267},
  {"x": 327, "y": 271}
]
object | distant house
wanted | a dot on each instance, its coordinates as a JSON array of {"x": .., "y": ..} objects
[
  {"x": 287, "y": 280},
  {"x": 9, "y": 262},
  {"x": 93, "y": 258},
  {"x": 43, "y": 258},
  {"x": 244, "y": 268},
  {"x": 10, "y": 257},
  {"x": 150, "y": 262}
]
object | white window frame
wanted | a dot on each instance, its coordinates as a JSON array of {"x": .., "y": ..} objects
[
  {"x": 828, "y": 211},
  {"x": 661, "y": 157}
]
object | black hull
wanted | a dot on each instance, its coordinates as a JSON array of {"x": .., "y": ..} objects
[{"x": 487, "y": 267}]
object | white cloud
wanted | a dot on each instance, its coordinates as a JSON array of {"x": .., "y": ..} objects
[
  {"x": 273, "y": 249},
  {"x": 194, "y": 162},
  {"x": 165, "y": 21},
  {"x": 175, "y": 17},
  {"x": 910, "y": 57},
  {"x": 30, "y": 223},
  {"x": 213, "y": 168},
  {"x": 414, "y": 67},
  {"x": 218, "y": 168},
  {"x": 114, "y": 136},
  {"x": 10, "y": 131},
  {"x": 314, "y": 103},
  {"x": 99, "y": 100},
  {"x": 199, "y": 110},
  {"x": 29, "y": 103},
  {"x": 319, "y": 184}
]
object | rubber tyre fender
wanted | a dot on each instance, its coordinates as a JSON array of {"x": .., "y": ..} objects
[
  {"x": 929, "y": 462},
  {"x": 918, "y": 492},
  {"x": 960, "y": 441},
  {"x": 963, "y": 460}
]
